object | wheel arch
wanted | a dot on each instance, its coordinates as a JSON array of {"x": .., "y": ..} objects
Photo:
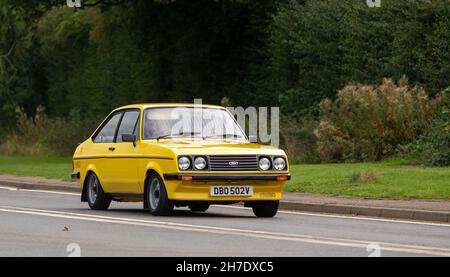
[
  {"x": 90, "y": 169},
  {"x": 149, "y": 172}
]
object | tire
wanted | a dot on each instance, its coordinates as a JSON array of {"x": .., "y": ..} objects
[
  {"x": 158, "y": 202},
  {"x": 96, "y": 197},
  {"x": 199, "y": 207},
  {"x": 265, "y": 208}
]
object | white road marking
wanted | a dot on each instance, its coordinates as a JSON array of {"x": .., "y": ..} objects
[
  {"x": 9, "y": 188},
  {"x": 437, "y": 224},
  {"x": 404, "y": 248},
  {"x": 356, "y": 217},
  {"x": 40, "y": 191}
]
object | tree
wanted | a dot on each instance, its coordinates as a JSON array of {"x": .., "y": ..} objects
[
  {"x": 317, "y": 47},
  {"x": 18, "y": 77}
]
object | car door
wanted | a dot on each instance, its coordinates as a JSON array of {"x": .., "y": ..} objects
[
  {"x": 102, "y": 149},
  {"x": 124, "y": 160}
]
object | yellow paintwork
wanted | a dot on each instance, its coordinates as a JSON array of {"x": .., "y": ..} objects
[{"x": 125, "y": 170}]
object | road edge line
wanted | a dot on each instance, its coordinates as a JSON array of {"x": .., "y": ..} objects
[{"x": 392, "y": 213}]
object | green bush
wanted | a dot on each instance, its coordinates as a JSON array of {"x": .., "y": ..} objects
[
  {"x": 41, "y": 136},
  {"x": 64, "y": 134},
  {"x": 433, "y": 147},
  {"x": 298, "y": 140},
  {"x": 367, "y": 123},
  {"x": 28, "y": 136}
]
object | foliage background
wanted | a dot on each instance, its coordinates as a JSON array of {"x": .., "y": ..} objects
[{"x": 81, "y": 63}]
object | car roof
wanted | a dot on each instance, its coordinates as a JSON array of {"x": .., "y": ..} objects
[{"x": 151, "y": 105}]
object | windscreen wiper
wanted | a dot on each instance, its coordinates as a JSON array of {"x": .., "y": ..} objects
[
  {"x": 177, "y": 135},
  {"x": 224, "y": 136}
]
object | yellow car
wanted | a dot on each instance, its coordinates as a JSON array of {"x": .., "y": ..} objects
[{"x": 175, "y": 155}]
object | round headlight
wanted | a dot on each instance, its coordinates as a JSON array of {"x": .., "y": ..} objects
[
  {"x": 279, "y": 164},
  {"x": 184, "y": 163},
  {"x": 264, "y": 163},
  {"x": 200, "y": 163}
]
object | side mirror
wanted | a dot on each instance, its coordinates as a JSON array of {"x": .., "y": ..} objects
[
  {"x": 129, "y": 138},
  {"x": 253, "y": 139}
]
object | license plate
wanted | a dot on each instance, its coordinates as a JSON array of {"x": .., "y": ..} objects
[{"x": 231, "y": 191}]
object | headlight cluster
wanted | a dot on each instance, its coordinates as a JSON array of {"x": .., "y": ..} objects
[
  {"x": 265, "y": 163},
  {"x": 184, "y": 163},
  {"x": 201, "y": 163}
]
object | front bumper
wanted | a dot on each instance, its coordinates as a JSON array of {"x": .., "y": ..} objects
[
  {"x": 75, "y": 175},
  {"x": 196, "y": 187},
  {"x": 228, "y": 177}
]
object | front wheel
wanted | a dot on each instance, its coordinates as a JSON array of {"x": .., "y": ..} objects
[
  {"x": 265, "y": 208},
  {"x": 157, "y": 200},
  {"x": 97, "y": 198}
]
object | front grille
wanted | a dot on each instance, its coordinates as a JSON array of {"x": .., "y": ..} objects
[{"x": 233, "y": 163}]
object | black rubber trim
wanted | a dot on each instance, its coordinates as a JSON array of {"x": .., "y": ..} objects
[
  {"x": 227, "y": 177},
  {"x": 75, "y": 175}
]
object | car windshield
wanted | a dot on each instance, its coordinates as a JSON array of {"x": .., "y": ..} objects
[{"x": 201, "y": 122}]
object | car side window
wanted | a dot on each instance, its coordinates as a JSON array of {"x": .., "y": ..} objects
[
  {"x": 128, "y": 124},
  {"x": 108, "y": 131}
]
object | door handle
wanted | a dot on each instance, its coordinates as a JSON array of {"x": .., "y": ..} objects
[{"x": 111, "y": 148}]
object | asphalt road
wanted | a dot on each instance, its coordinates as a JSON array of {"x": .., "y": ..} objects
[{"x": 40, "y": 223}]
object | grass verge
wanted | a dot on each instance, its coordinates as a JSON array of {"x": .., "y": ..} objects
[
  {"x": 394, "y": 178},
  {"x": 48, "y": 167},
  {"x": 387, "y": 179}
]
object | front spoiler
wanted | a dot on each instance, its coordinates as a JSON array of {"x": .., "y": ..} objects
[{"x": 227, "y": 177}]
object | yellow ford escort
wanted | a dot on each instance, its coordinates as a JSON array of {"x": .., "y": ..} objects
[{"x": 175, "y": 155}]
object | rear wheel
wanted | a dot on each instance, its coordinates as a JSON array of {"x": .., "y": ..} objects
[
  {"x": 97, "y": 198},
  {"x": 157, "y": 200},
  {"x": 265, "y": 208},
  {"x": 199, "y": 207}
]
